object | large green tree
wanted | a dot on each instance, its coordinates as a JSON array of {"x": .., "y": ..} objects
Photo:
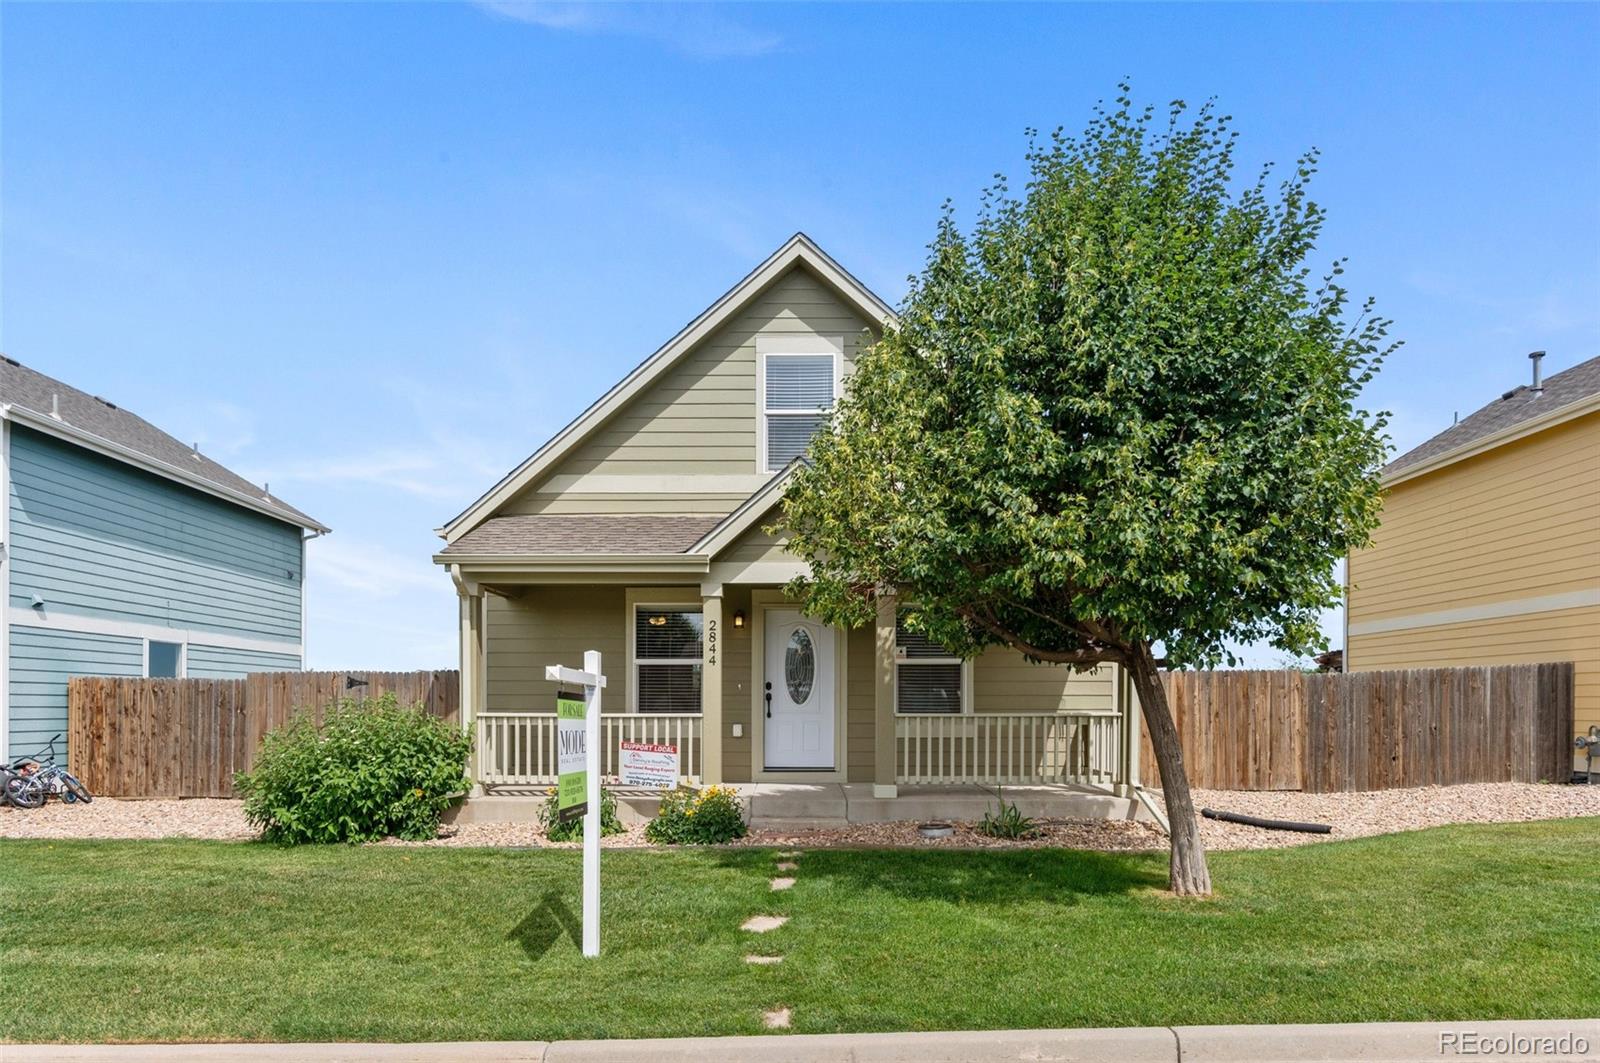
[{"x": 1116, "y": 422}]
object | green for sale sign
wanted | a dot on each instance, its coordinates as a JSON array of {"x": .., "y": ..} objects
[{"x": 572, "y": 786}]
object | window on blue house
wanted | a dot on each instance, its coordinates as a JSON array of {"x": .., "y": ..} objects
[{"x": 165, "y": 660}]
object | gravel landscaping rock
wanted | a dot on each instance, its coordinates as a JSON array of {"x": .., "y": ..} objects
[{"x": 1352, "y": 815}]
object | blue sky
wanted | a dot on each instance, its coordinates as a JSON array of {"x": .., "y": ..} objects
[{"x": 375, "y": 255}]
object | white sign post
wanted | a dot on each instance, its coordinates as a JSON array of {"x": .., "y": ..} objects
[{"x": 593, "y": 680}]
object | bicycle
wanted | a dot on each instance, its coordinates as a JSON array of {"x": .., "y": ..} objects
[{"x": 31, "y": 781}]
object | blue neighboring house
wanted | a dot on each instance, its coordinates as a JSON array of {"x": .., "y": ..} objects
[{"x": 124, "y": 552}]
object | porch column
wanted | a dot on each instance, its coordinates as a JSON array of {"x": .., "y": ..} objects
[
  {"x": 883, "y": 745},
  {"x": 711, "y": 688},
  {"x": 1127, "y": 704},
  {"x": 473, "y": 692}
]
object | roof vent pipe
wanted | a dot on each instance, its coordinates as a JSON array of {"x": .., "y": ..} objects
[
  {"x": 55, "y": 405},
  {"x": 1538, "y": 381}
]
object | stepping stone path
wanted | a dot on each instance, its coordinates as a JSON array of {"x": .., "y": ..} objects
[{"x": 775, "y": 1018}]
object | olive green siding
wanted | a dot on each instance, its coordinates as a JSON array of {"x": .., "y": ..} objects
[
  {"x": 554, "y": 625},
  {"x": 698, "y": 420},
  {"x": 687, "y": 444}
]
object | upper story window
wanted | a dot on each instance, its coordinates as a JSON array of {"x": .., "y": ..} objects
[
  {"x": 927, "y": 677},
  {"x": 798, "y": 393},
  {"x": 667, "y": 646}
]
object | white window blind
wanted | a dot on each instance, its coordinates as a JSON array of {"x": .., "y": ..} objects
[
  {"x": 927, "y": 676},
  {"x": 799, "y": 394},
  {"x": 666, "y": 655}
]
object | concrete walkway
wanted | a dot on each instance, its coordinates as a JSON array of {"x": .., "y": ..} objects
[{"x": 1367, "y": 1042}]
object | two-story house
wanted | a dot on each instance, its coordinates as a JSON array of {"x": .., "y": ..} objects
[{"x": 124, "y": 552}]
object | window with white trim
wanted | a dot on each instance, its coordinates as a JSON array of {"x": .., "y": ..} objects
[
  {"x": 667, "y": 646},
  {"x": 799, "y": 393},
  {"x": 927, "y": 677},
  {"x": 163, "y": 660}
]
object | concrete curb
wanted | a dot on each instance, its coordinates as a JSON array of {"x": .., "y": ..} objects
[{"x": 1402, "y": 1042}]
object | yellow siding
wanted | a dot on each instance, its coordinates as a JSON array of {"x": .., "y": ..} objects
[
  {"x": 699, "y": 418},
  {"x": 1518, "y": 522}
]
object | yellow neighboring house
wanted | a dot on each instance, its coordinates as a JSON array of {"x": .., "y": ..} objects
[{"x": 1489, "y": 550}]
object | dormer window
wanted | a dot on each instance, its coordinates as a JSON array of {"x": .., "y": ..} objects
[{"x": 797, "y": 393}]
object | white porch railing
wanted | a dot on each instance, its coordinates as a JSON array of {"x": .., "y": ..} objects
[
  {"x": 519, "y": 748},
  {"x": 1015, "y": 747}
]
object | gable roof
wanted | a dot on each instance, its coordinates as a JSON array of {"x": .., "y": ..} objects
[
  {"x": 1517, "y": 413},
  {"x": 47, "y": 405},
  {"x": 747, "y": 513},
  {"x": 798, "y": 249}
]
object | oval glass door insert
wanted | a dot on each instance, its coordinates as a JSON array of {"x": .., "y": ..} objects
[{"x": 799, "y": 666}]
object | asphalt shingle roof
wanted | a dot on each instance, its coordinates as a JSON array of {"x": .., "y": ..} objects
[
  {"x": 31, "y": 390},
  {"x": 544, "y": 533},
  {"x": 1561, "y": 389}
]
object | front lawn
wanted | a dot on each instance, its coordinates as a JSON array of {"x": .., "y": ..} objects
[{"x": 228, "y": 941}]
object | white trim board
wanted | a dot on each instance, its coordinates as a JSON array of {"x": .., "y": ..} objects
[
  {"x": 797, "y": 249},
  {"x": 47, "y": 620},
  {"x": 1547, "y": 603}
]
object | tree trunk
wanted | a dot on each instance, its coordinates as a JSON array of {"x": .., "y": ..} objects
[{"x": 1188, "y": 875}]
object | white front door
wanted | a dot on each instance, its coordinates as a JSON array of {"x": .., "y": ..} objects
[{"x": 798, "y": 694}]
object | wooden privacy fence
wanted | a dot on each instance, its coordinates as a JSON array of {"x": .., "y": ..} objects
[
  {"x": 187, "y": 737},
  {"x": 1323, "y": 732}
]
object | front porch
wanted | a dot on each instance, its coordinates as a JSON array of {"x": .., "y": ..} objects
[
  {"x": 1084, "y": 749},
  {"x": 820, "y": 806}
]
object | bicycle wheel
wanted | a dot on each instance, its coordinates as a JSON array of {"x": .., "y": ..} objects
[
  {"x": 23, "y": 795},
  {"x": 76, "y": 788}
]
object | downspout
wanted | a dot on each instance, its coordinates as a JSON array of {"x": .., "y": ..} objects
[{"x": 304, "y": 642}]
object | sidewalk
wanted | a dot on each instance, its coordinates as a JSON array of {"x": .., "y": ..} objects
[{"x": 1560, "y": 1040}]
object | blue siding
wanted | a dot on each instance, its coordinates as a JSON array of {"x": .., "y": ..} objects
[
  {"x": 95, "y": 537},
  {"x": 221, "y": 662},
  {"x": 41, "y": 663}
]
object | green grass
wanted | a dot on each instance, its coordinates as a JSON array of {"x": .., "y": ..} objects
[{"x": 215, "y": 941}]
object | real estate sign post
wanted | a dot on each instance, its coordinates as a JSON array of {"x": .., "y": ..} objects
[{"x": 581, "y": 785}]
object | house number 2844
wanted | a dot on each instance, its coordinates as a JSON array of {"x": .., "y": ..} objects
[{"x": 711, "y": 642}]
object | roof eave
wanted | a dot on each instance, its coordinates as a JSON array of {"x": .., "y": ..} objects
[
  {"x": 598, "y": 564},
  {"x": 88, "y": 440},
  {"x": 1559, "y": 415}
]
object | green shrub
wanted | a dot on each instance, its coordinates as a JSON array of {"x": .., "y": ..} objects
[
  {"x": 698, "y": 817},
  {"x": 371, "y": 770},
  {"x": 557, "y": 831},
  {"x": 1008, "y": 822}
]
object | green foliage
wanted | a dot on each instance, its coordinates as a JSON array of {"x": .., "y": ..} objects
[
  {"x": 372, "y": 770},
  {"x": 698, "y": 817},
  {"x": 572, "y": 831},
  {"x": 1119, "y": 412},
  {"x": 1008, "y": 821}
]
